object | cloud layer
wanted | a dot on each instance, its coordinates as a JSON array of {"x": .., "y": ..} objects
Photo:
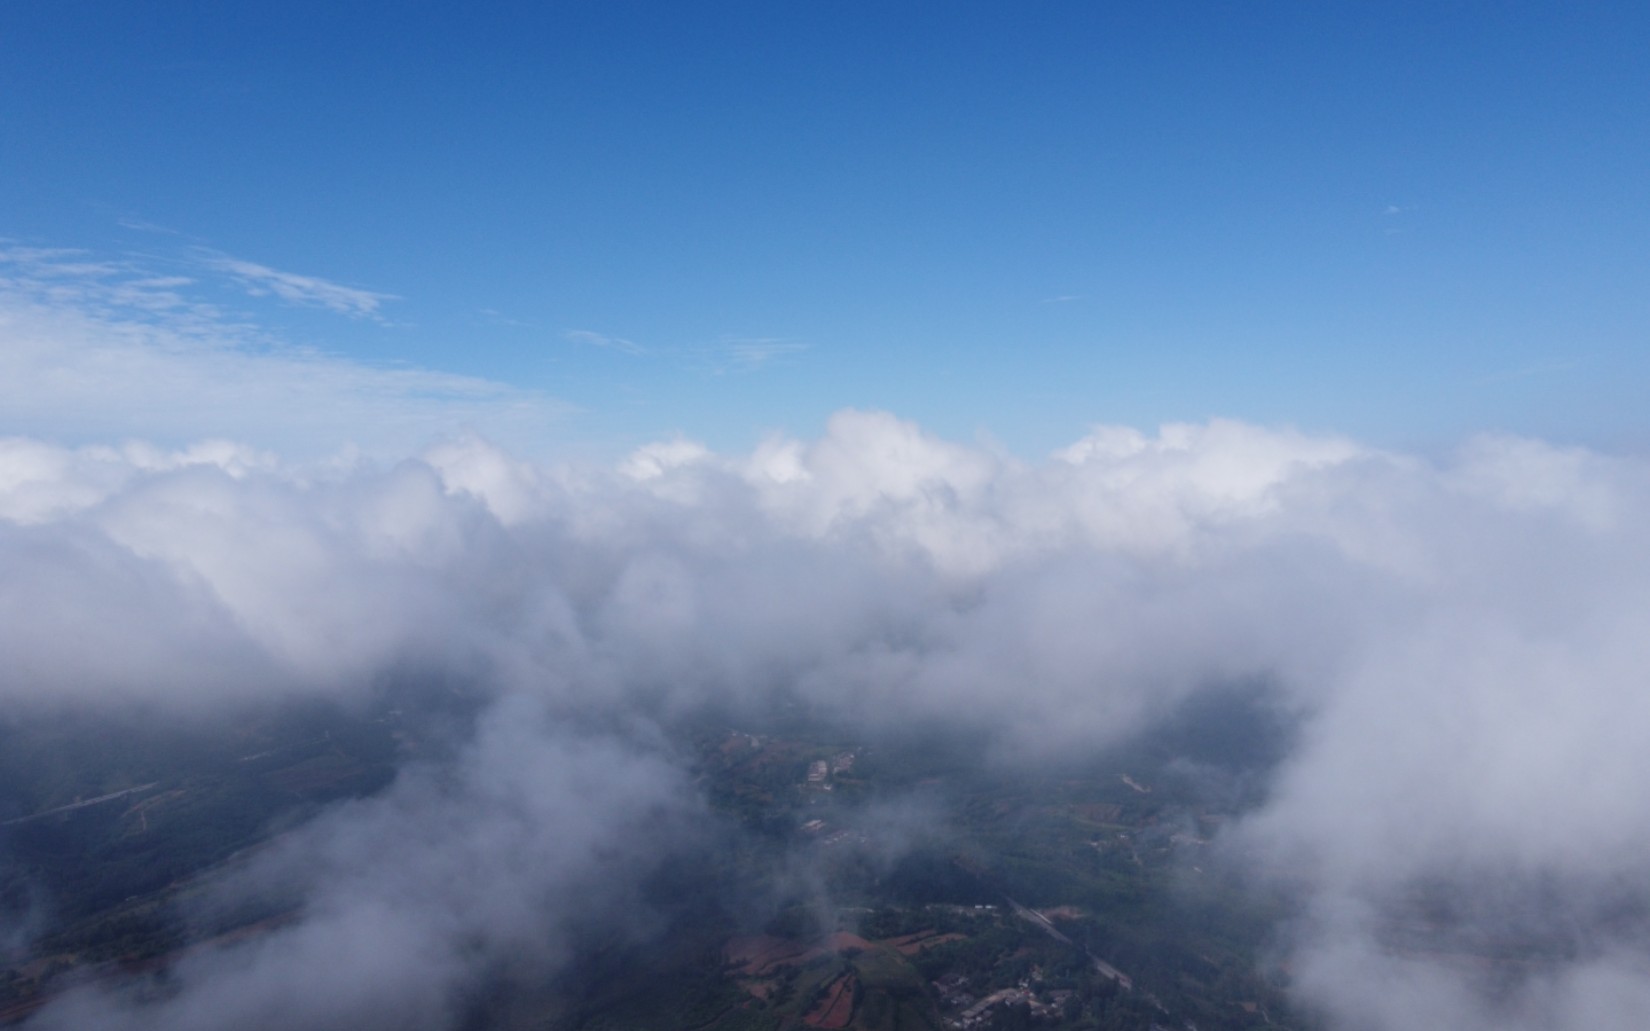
[{"x": 1463, "y": 640}]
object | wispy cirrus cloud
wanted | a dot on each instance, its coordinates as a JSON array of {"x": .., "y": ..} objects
[
  {"x": 259, "y": 280},
  {"x": 94, "y": 347},
  {"x": 595, "y": 339},
  {"x": 70, "y": 279},
  {"x": 307, "y": 291},
  {"x": 747, "y": 354},
  {"x": 494, "y": 317},
  {"x": 730, "y": 354}
]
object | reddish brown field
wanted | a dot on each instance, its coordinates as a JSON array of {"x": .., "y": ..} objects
[
  {"x": 758, "y": 989},
  {"x": 911, "y": 944},
  {"x": 842, "y": 941},
  {"x": 760, "y": 955}
]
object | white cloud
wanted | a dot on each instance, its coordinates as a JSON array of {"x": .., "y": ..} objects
[
  {"x": 739, "y": 354},
  {"x": 309, "y": 291},
  {"x": 586, "y": 336},
  {"x": 1462, "y": 638},
  {"x": 98, "y": 350}
]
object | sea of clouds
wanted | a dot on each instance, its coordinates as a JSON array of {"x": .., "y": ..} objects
[{"x": 1463, "y": 640}]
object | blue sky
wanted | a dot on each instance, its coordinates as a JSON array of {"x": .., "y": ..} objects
[{"x": 1404, "y": 222}]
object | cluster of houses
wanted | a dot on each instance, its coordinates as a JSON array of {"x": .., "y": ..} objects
[
  {"x": 820, "y": 770},
  {"x": 973, "y": 1012}
]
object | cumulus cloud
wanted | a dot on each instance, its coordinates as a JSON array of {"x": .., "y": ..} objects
[{"x": 1462, "y": 640}]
